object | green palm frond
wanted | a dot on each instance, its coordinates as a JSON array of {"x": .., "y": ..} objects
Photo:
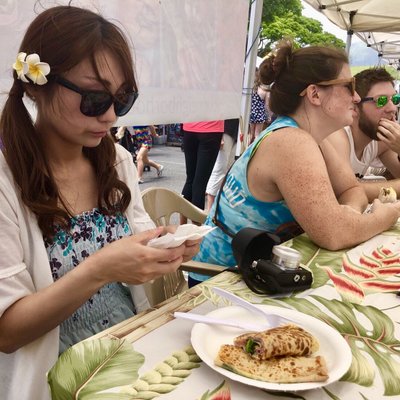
[
  {"x": 313, "y": 255},
  {"x": 90, "y": 367}
]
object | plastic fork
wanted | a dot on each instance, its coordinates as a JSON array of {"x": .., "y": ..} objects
[
  {"x": 272, "y": 318},
  {"x": 217, "y": 321}
]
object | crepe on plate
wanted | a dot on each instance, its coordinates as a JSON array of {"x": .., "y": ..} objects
[
  {"x": 286, "y": 340},
  {"x": 279, "y": 370}
]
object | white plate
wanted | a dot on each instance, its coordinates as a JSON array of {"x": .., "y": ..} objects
[{"x": 207, "y": 340}]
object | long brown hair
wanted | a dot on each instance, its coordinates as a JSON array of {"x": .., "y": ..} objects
[
  {"x": 63, "y": 36},
  {"x": 291, "y": 70}
]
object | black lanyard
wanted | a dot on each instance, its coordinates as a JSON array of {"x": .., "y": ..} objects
[{"x": 214, "y": 218}]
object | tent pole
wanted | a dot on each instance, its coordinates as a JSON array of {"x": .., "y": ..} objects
[
  {"x": 348, "y": 41},
  {"x": 350, "y": 32},
  {"x": 249, "y": 71}
]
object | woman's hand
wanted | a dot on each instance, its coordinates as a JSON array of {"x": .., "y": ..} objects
[
  {"x": 394, "y": 207},
  {"x": 192, "y": 247},
  {"x": 130, "y": 260}
]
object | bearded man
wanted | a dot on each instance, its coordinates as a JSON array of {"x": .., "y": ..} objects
[{"x": 373, "y": 139}]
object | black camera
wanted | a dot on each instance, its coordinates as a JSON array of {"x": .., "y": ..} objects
[{"x": 266, "y": 266}]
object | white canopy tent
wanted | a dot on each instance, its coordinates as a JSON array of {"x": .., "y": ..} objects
[
  {"x": 189, "y": 55},
  {"x": 376, "y": 22}
]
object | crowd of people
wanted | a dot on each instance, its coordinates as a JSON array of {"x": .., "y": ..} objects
[{"x": 73, "y": 225}]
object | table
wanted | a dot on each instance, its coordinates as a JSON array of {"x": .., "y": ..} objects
[{"x": 353, "y": 291}]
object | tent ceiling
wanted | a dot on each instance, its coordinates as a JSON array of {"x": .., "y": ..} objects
[{"x": 376, "y": 22}]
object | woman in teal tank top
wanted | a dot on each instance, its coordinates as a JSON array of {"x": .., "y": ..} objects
[{"x": 282, "y": 183}]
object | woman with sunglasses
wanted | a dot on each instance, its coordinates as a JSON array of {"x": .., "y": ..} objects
[
  {"x": 282, "y": 183},
  {"x": 72, "y": 221}
]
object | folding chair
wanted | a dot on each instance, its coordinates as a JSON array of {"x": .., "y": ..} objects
[{"x": 162, "y": 204}]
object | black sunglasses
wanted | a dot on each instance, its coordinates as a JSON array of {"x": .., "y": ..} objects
[
  {"x": 381, "y": 101},
  {"x": 97, "y": 102}
]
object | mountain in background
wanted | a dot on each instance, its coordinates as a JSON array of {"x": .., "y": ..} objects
[{"x": 361, "y": 55}]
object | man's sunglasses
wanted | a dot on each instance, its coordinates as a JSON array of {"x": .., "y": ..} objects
[
  {"x": 350, "y": 83},
  {"x": 381, "y": 101},
  {"x": 97, "y": 102}
]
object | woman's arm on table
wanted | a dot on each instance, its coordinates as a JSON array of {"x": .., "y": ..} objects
[
  {"x": 297, "y": 168},
  {"x": 347, "y": 188}
]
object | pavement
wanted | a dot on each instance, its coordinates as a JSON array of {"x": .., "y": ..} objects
[{"x": 174, "y": 173}]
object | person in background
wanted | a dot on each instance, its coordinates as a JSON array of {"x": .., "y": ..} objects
[
  {"x": 72, "y": 220},
  {"x": 125, "y": 139},
  {"x": 226, "y": 156},
  {"x": 282, "y": 183},
  {"x": 373, "y": 139},
  {"x": 201, "y": 143},
  {"x": 259, "y": 116},
  {"x": 143, "y": 136}
]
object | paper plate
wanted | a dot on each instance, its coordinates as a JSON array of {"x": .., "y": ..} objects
[{"x": 207, "y": 340}]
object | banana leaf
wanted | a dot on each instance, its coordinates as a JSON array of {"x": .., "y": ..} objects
[
  {"x": 94, "y": 366},
  {"x": 313, "y": 255}
]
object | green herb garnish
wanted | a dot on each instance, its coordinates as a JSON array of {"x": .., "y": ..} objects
[{"x": 250, "y": 346}]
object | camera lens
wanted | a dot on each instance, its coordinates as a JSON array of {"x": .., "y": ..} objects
[{"x": 286, "y": 256}]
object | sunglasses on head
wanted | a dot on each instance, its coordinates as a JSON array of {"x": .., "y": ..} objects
[
  {"x": 350, "y": 83},
  {"x": 97, "y": 102},
  {"x": 381, "y": 101}
]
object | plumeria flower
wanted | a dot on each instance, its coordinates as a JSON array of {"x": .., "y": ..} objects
[
  {"x": 37, "y": 70},
  {"x": 21, "y": 67}
]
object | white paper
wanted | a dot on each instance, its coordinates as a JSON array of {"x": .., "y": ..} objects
[{"x": 184, "y": 232}]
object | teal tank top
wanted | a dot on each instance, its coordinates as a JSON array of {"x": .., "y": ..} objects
[{"x": 238, "y": 209}]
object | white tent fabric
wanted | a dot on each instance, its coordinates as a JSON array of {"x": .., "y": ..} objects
[
  {"x": 376, "y": 22},
  {"x": 189, "y": 54}
]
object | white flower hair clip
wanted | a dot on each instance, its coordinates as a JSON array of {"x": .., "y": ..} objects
[{"x": 30, "y": 66}]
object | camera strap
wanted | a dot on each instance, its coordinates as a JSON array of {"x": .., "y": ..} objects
[
  {"x": 249, "y": 245},
  {"x": 214, "y": 218}
]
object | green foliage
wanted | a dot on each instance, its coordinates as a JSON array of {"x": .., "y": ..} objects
[
  {"x": 304, "y": 31},
  {"x": 279, "y": 8}
]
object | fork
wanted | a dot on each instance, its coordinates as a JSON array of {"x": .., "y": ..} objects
[
  {"x": 272, "y": 318},
  {"x": 205, "y": 319}
]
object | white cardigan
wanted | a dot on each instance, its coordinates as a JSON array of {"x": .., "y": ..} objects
[{"x": 25, "y": 269}]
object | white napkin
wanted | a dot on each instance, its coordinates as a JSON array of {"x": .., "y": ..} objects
[{"x": 183, "y": 233}]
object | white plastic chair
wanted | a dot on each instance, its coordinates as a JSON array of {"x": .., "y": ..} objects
[{"x": 161, "y": 204}]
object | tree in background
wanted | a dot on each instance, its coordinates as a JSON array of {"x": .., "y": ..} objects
[{"x": 282, "y": 18}]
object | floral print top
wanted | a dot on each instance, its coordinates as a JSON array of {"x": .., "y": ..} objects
[{"x": 89, "y": 232}]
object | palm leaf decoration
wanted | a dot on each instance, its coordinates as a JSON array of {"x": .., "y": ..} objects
[
  {"x": 90, "y": 367},
  {"x": 222, "y": 392},
  {"x": 377, "y": 342},
  {"x": 313, "y": 255}
]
